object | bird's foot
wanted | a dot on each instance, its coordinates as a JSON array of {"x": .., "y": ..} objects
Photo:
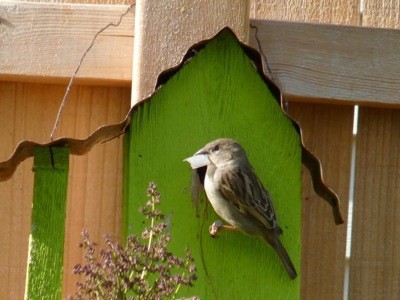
[
  {"x": 215, "y": 228},
  {"x": 218, "y": 226}
]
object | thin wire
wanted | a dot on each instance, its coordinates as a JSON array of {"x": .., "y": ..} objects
[
  {"x": 267, "y": 66},
  {"x": 262, "y": 53},
  {"x": 202, "y": 251},
  {"x": 71, "y": 81}
]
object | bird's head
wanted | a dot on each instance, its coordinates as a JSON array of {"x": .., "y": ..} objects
[{"x": 223, "y": 151}]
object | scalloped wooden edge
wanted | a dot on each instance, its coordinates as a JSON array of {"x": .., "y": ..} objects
[{"x": 105, "y": 133}]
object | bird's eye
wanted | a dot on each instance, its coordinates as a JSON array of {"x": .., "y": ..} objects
[{"x": 215, "y": 149}]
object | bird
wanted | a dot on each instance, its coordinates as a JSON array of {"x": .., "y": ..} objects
[{"x": 238, "y": 197}]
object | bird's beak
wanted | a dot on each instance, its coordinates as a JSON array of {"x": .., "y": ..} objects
[{"x": 198, "y": 160}]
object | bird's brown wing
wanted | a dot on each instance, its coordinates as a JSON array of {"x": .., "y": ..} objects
[{"x": 245, "y": 191}]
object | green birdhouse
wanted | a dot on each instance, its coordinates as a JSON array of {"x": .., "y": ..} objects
[{"x": 218, "y": 91}]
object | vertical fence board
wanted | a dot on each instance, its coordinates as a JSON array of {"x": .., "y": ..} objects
[
  {"x": 16, "y": 195},
  {"x": 94, "y": 193},
  {"x": 95, "y": 202},
  {"x": 375, "y": 263},
  {"x": 15, "y": 213},
  {"x": 95, "y": 189},
  {"x": 327, "y": 131},
  {"x": 381, "y": 13},
  {"x": 164, "y": 32}
]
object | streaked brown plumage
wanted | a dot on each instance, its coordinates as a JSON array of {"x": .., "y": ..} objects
[{"x": 238, "y": 196}]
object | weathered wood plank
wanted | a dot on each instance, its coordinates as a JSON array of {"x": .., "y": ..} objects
[
  {"x": 15, "y": 213},
  {"x": 382, "y": 13},
  {"x": 163, "y": 33},
  {"x": 374, "y": 262},
  {"x": 327, "y": 131},
  {"x": 86, "y": 1},
  {"x": 44, "y": 42},
  {"x": 342, "y": 12},
  {"x": 330, "y": 63},
  {"x": 318, "y": 62}
]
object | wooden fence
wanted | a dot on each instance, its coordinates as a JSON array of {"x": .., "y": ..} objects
[{"x": 318, "y": 68}]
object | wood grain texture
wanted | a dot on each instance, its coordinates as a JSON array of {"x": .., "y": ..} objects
[
  {"x": 15, "y": 213},
  {"x": 86, "y": 1},
  {"x": 342, "y": 12},
  {"x": 94, "y": 196},
  {"x": 327, "y": 132},
  {"x": 45, "y": 43},
  {"x": 381, "y": 13},
  {"x": 332, "y": 62},
  {"x": 374, "y": 262},
  {"x": 310, "y": 62},
  {"x": 164, "y": 30}
]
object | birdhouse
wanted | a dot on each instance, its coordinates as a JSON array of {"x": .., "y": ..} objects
[{"x": 218, "y": 91}]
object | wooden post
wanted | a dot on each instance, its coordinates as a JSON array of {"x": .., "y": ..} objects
[
  {"x": 164, "y": 30},
  {"x": 46, "y": 242}
]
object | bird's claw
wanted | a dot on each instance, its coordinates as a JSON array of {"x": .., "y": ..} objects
[{"x": 215, "y": 228}]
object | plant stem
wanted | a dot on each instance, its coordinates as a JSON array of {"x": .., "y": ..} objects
[
  {"x": 179, "y": 285},
  {"x": 151, "y": 233},
  {"x": 152, "y": 223}
]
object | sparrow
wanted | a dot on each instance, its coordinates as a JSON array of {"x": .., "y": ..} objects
[{"x": 237, "y": 195}]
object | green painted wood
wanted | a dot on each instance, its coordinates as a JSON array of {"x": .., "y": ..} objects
[
  {"x": 218, "y": 93},
  {"x": 46, "y": 241},
  {"x": 126, "y": 203}
]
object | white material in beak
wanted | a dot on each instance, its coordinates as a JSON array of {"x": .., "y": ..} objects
[{"x": 198, "y": 161}]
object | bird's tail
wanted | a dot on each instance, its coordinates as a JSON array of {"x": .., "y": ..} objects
[{"x": 283, "y": 255}]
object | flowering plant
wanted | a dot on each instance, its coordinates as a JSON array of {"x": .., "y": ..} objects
[{"x": 142, "y": 269}]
